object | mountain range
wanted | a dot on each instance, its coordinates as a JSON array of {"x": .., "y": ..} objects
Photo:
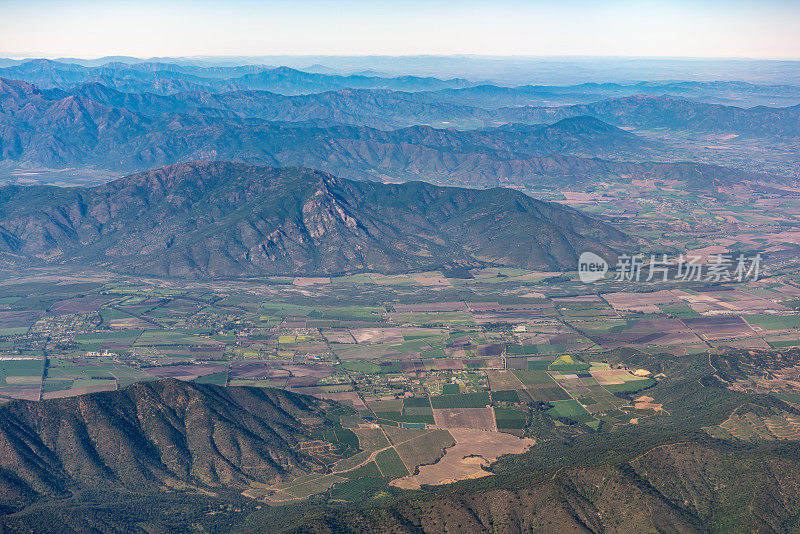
[
  {"x": 170, "y": 75},
  {"x": 462, "y": 108},
  {"x": 215, "y": 219},
  {"x": 165, "y": 78},
  {"x": 128, "y": 133}
]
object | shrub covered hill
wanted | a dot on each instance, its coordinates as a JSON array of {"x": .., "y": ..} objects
[
  {"x": 215, "y": 219},
  {"x": 153, "y": 436}
]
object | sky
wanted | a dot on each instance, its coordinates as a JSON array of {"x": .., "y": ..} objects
[{"x": 641, "y": 28}]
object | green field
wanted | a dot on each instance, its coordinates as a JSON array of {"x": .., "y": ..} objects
[
  {"x": 505, "y": 396},
  {"x": 784, "y": 343},
  {"x": 367, "y": 470},
  {"x": 631, "y": 386},
  {"x": 568, "y": 363},
  {"x": 534, "y": 377},
  {"x": 509, "y": 417},
  {"x": 773, "y": 322},
  {"x": 425, "y": 447},
  {"x": 342, "y": 436},
  {"x": 539, "y": 364},
  {"x": 390, "y": 464},
  {"x": 169, "y": 337},
  {"x": 417, "y": 402},
  {"x": 13, "y": 331},
  {"x": 450, "y": 389},
  {"x": 567, "y": 408},
  {"x": 217, "y": 379},
  {"x": 462, "y": 400},
  {"x": 26, "y": 367}
]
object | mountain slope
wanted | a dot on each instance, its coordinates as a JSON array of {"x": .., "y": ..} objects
[
  {"x": 224, "y": 219},
  {"x": 153, "y": 435},
  {"x": 676, "y": 488},
  {"x": 34, "y": 127},
  {"x": 582, "y": 135}
]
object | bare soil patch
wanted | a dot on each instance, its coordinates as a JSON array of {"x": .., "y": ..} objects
[
  {"x": 473, "y": 418},
  {"x": 473, "y": 452}
]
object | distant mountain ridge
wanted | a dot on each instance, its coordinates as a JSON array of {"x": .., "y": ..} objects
[
  {"x": 169, "y": 75},
  {"x": 389, "y": 109},
  {"x": 377, "y": 108},
  {"x": 165, "y": 78},
  {"x": 734, "y": 93},
  {"x": 666, "y": 112},
  {"x": 53, "y": 129},
  {"x": 214, "y": 219}
]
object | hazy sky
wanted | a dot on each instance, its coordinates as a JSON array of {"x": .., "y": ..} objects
[{"x": 145, "y": 28}]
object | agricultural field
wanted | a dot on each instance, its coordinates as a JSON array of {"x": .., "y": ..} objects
[{"x": 438, "y": 377}]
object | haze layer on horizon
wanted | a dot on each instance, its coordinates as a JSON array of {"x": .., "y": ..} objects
[{"x": 675, "y": 28}]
